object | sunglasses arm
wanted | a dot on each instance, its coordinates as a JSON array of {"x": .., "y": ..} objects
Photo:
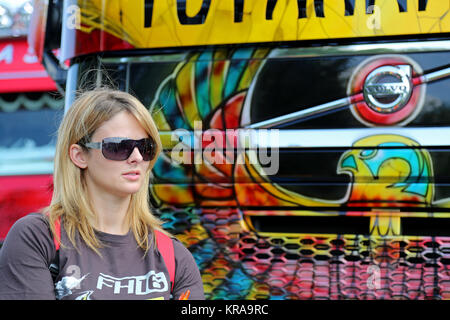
[{"x": 94, "y": 145}]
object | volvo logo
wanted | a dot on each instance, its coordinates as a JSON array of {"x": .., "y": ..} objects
[
  {"x": 386, "y": 83},
  {"x": 388, "y": 88}
]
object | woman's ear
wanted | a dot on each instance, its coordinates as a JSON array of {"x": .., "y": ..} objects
[{"x": 78, "y": 156}]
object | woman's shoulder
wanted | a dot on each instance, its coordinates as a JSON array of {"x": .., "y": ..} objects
[
  {"x": 25, "y": 256},
  {"x": 183, "y": 256},
  {"x": 179, "y": 247},
  {"x": 31, "y": 230},
  {"x": 36, "y": 222},
  {"x": 187, "y": 274},
  {"x": 179, "y": 250}
]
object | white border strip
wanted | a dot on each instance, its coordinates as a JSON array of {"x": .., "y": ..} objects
[{"x": 329, "y": 138}]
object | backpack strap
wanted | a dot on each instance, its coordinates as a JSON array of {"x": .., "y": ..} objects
[
  {"x": 57, "y": 235},
  {"x": 57, "y": 238},
  {"x": 54, "y": 264},
  {"x": 165, "y": 247}
]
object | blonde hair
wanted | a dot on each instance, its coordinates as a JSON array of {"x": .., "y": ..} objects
[{"x": 70, "y": 199}]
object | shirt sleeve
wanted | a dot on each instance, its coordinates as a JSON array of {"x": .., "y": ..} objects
[
  {"x": 187, "y": 274},
  {"x": 24, "y": 260}
]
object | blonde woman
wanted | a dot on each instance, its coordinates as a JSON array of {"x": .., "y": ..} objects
[{"x": 98, "y": 236}]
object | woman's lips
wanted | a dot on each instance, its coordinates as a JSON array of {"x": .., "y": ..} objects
[{"x": 132, "y": 175}]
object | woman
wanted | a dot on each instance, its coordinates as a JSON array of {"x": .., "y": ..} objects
[{"x": 106, "y": 247}]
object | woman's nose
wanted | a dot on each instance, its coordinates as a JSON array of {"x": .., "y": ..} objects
[{"x": 135, "y": 156}]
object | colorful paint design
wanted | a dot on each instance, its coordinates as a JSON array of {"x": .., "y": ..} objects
[{"x": 209, "y": 205}]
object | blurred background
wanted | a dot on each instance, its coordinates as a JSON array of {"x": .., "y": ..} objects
[{"x": 30, "y": 111}]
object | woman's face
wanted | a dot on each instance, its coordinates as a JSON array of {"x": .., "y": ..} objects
[{"x": 117, "y": 178}]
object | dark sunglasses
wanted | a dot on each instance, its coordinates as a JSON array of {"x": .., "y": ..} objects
[{"x": 121, "y": 148}]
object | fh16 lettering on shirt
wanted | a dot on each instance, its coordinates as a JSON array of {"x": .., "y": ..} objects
[
  {"x": 135, "y": 285},
  {"x": 138, "y": 285}
]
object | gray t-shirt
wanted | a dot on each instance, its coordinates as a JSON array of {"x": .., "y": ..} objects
[{"x": 121, "y": 272}]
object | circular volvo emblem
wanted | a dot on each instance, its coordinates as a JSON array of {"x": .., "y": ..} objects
[
  {"x": 386, "y": 83},
  {"x": 388, "y": 88}
]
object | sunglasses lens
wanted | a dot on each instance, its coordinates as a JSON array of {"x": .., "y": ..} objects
[
  {"x": 146, "y": 148},
  {"x": 117, "y": 150}
]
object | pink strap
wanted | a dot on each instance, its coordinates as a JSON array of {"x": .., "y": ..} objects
[
  {"x": 165, "y": 246},
  {"x": 58, "y": 233}
]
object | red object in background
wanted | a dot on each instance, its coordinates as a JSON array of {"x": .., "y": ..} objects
[
  {"x": 80, "y": 43},
  {"x": 20, "y": 69},
  {"x": 38, "y": 25},
  {"x": 76, "y": 41},
  {"x": 21, "y": 195}
]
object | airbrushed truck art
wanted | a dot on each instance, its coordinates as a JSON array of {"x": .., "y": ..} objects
[{"x": 304, "y": 158}]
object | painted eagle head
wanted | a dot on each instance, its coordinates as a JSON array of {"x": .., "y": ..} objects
[{"x": 388, "y": 170}]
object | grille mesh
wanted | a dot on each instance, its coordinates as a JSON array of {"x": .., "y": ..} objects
[{"x": 236, "y": 263}]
